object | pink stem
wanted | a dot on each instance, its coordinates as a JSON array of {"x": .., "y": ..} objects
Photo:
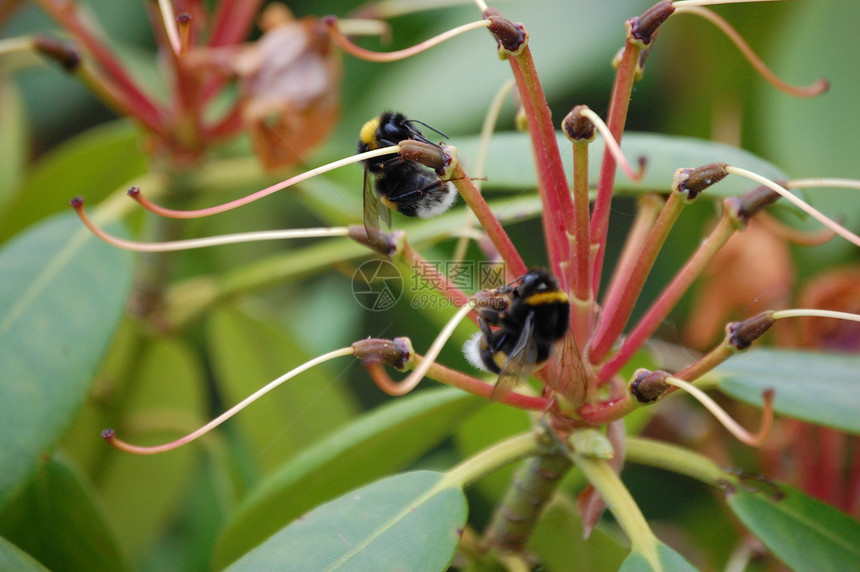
[
  {"x": 553, "y": 185},
  {"x": 619, "y": 104}
]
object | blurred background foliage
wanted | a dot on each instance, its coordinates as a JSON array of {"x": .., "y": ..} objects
[{"x": 166, "y": 512}]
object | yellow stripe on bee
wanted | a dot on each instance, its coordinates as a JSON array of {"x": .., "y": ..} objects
[
  {"x": 547, "y": 298},
  {"x": 368, "y": 134}
]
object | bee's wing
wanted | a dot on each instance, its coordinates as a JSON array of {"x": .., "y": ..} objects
[
  {"x": 371, "y": 207},
  {"x": 519, "y": 364}
]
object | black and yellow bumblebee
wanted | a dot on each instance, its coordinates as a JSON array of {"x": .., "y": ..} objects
[
  {"x": 402, "y": 185},
  {"x": 519, "y": 333}
]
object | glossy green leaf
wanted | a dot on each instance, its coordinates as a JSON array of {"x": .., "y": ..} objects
[
  {"x": 510, "y": 164},
  {"x": 93, "y": 165},
  {"x": 247, "y": 354},
  {"x": 62, "y": 294},
  {"x": 558, "y": 541},
  {"x": 411, "y": 521},
  {"x": 382, "y": 441},
  {"x": 803, "y": 532},
  {"x": 13, "y": 558},
  {"x": 667, "y": 561},
  {"x": 60, "y": 505},
  {"x": 816, "y": 387}
]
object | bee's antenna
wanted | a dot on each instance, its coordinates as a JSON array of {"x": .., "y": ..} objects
[{"x": 427, "y": 126}]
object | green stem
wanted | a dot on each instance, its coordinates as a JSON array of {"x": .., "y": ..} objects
[
  {"x": 621, "y": 503},
  {"x": 492, "y": 459},
  {"x": 678, "y": 460},
  {"x": 533, "y": 486}
]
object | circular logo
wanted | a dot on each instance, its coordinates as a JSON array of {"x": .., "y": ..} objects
[{"x": 377, "y": 285}]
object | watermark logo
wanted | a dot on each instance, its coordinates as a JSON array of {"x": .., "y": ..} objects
[{"x": 377, "y": 285}]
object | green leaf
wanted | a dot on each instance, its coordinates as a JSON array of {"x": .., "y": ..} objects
[
  {"x": 667, "y": 559},
  {"x": 13, "y": 558},
  {"x": 803, "y": 532},
  {"x": 62, "y": 294},
  {"x": 816, "y": 387},
  {"x": 510, "y": 164},
  {"x": 93, "y": 165},
  {"x": 247, "y": 354},
  {"x": 411, "y": 521},
  {"x": 382, "y": 441},
  {"x": 60, "y": 505}
]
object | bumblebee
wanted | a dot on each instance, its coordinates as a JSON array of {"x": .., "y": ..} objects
[
  {"x": 402, "y": 185},
  {"x": 518, "y": 334}
]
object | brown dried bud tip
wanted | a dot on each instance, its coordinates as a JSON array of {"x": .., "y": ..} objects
[
  {"x": 427, "y": 154},
  {"x": 645, "y": 26},
  {"x": 692, "y": 182},
  {"x": 375, "y": 351},
  {"x": 577, "y": 127},
  {"x": 511, "y": 36},
  {"x": 742, "y": 334},
  {"x": 756, "y": 200},
  {"x": 77, "y": 202},
  {"x": 184, "y": 18},
  {"x": 649, "y": 386},
  {"x": 60, "y": 51},
  {"x": 133, "y": 191}
]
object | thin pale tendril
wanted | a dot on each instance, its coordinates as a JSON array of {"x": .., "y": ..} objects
[
  {"x": 359, "y": 52},
  {"x": 785, "y": 193},
  {"x": 685, "y": 3},
  {"x": 171, "y": 213},
  {"x": 415, "y": 376},
  {"x": 613, "y": 146},
  {"x": 814, "y": 313},
  {"x": 816, "y": 88},
  {"x": 482, "y": 6},
  {"x": 753, "y": 440},
  {"x": 193, "y": 243},
  {"x": 824, "y": 182},
  {"x": 169, "y": 18},
  {"x": 122, "y": 445}
]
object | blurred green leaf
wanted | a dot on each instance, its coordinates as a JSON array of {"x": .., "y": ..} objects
[
  {"x": 816, "y": 137},
  {"x": 510, "y": 164},
  {"x": 62, "y": 294},
  {"x": 488, "y": 426},
  {"x": 803, "y": 532},
  {"x": 14, "y": 139},
  {"x": 60, "y": 505},
  {"x": 411, "y": 521},
  {"x": 93, "y": 165},
  {"x": 816, "y": 387},
  {"x": 13, "y": 558},
  {"x": 382, "y": 441},
  {"x": 558, "y": 541},
  {"x": 248, "y": 353},
  {"x": 163, "y": 398},
  {"x": 668, "y": 560}
]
